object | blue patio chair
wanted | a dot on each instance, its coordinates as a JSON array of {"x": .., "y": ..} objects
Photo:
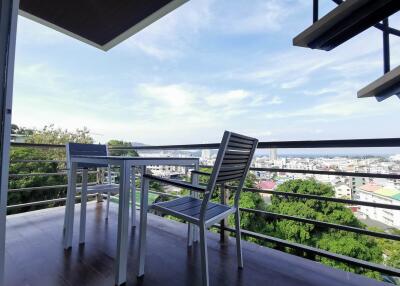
[
  {"x": 232, "y": 164},
  {"x": 76, "y": 149}
]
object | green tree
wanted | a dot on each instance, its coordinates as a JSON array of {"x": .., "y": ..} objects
[
  {"x": 48, "y": 164},
  {"x": 351, "y": 244},
  {"x": 249, "y": 200},
  {"x": 391, "y": 248},
  {"x": 56, "y": 136},
  {"x": 119, "y": 143},
  {"x": 15, "y": 129},
  {"x": 249, "y": 221}
]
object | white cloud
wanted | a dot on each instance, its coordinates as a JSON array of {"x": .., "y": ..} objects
[
  {"x": 294, "y": 83},
  {"x": 274, "y": 101},
  {"x": 259, "y": 16},
  {"x": 171, "y": 36},
  {"x": 176, "y": 33},
  {"x": 228, "y": 98},
  {"x": 148, "y": 111},
  {"x": 299, "y": 67},
  {"x": 197, "y": 101},
  {"x": 341, "y": 106}
]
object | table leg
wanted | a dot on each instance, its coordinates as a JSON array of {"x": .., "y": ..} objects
[
  {"x": 133, "y": 198},
  {"x": 82, "y": 229},
  {"x": 123, "y": 225},
  {"x": 143, "y": 223},
  {"x": 70, "y": 207}
]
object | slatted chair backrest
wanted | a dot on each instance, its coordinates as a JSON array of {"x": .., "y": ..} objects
[
  {"x": 77, "y": 149},
  {"x": 232, "y": 164}
]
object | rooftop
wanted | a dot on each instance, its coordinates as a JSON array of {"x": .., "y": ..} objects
[
  {"x": 38, "y": 258},
  {"x": 370, "y": 187},
  {"x": 387, "y": 192},
  {"x": 379, "y": 190},
  {"x": 266, "y": 185}
]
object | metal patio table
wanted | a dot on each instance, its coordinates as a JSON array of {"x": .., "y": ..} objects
[{"x": 126, "y": 164}]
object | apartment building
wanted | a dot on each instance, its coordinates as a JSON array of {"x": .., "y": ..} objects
[{"x": 384, "y": 195}]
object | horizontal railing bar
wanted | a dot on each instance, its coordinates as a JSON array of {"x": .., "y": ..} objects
[
  {"x": 200, "y": 173},
  {"x": 44, "y": 202},
  {"x": 164, "y": 194},
  {"x": 45, "y": 174},
  {"x": 169, "y": 147},
  {"x": 38, "y": 161},
  {"x": 36, "y": 145},
  {"x": 321, "y": 198},
  {"x": 46, "y": 187},
  {"x": 317, "y": 172},
  {"x": 333, "y": 173},
  {"x": 346, "y": 143},
  {"x": 319, "y": 252},
  {"x": 323, "y": 224}
]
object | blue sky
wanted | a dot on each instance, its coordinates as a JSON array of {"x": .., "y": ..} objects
[{"x": 209, "y": 66}]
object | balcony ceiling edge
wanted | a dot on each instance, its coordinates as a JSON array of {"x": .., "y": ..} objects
[{"x": 103, "y": 25}]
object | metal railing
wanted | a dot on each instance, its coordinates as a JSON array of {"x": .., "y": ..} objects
[{"x": 353, "y": 143}]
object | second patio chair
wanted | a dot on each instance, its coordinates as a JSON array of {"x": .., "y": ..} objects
[{"x": 232, "y": 164}]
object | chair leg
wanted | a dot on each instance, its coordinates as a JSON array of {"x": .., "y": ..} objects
[
  {"x": 204, "y": 257},
  {"x": 196, "y": 234},
  {"x": 143, "y": 224},
  {"x": 238, "y": 240},
  {"x": 133, "y": 198},
  {"x": 190, "y": 234},
  {"x": 82, "y": 227},
  {"x": 108, "y": 204}
]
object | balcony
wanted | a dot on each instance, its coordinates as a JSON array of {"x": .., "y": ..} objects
[
  {"x": 34, "y": 238},
  {"x": 35, "y": 256},
  {"x": 34, "y": 251}
]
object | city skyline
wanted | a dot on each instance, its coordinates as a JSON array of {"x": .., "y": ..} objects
[{"x": 193, "y": 74}]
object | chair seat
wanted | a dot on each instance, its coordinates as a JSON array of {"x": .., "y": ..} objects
[
  {"x": 101, "y": 188},
  {"x": 188, "y": 208}
]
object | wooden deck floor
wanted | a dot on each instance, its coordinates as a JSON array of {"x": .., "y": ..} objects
[{"x": 35, "y": 256}]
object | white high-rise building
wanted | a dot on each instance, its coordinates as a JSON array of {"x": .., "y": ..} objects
[
  {"x": 206, "y": 154},
  {"x": 273, "y": 156}
]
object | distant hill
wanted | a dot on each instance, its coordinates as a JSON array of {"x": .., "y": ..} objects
[
  {"x": 170, "y": 152},
  {"x": 135, "y": 144}
]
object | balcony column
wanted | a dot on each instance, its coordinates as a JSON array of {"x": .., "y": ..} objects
[{"x": 8, "y": 31}]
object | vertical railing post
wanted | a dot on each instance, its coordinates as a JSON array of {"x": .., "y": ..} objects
[{"x": 224, "y": 198}]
